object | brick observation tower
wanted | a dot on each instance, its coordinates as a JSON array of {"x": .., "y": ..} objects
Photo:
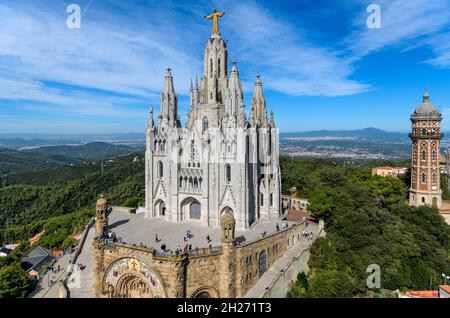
[{"x": 426, "y": 135}]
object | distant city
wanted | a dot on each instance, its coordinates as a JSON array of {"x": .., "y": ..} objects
[{"x": 361, "y": 144}]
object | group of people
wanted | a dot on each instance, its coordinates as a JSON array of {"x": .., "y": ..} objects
[
  {"x": 108, "y": 235},
  {"x": 178, "y": 249},
  {"x": 308, "y": 235},
  {"x": 263, "y": 234}
]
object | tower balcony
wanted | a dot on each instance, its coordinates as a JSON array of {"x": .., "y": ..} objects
[{"x": 426, "y": 136}]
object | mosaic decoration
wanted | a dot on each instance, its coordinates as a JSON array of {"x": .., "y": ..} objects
[{"x": 129, "y": 266}]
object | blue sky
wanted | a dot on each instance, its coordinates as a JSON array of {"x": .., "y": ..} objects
[{"x": 322, "y": 68}]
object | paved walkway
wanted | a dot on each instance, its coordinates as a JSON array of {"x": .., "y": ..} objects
[
  {"x": 135, "y": 229},
  {"x": 81, "y": 282},
  {"x": 45, "y": 289},
  {"x": 270, "y": 276}
]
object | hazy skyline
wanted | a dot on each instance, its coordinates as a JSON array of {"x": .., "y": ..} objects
[{"x": 322, "y": 68}]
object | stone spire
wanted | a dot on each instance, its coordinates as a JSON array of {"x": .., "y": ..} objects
[
  {"x": 191, "y": 96},
  {"x": 272, "y": 122},
  {"x": 426, "y": 96},
  {"x": 151, "y": 122},
  {"x": 258, "y": 105},
  {"x": 169, "y": 102},
  {"x": 234, "y": 105}
]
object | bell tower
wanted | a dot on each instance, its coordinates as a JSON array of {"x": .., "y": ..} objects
[{"x": 425, "y": 136}]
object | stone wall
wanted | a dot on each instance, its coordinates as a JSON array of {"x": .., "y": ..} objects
[{"x": 227, "y": 271}]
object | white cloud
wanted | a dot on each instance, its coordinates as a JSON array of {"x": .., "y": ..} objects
[{"x": 405, "y": 23}]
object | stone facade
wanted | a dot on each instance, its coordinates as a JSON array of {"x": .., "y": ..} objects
[
  {"x": 425, "y": 173},
  {"x": 230, "y": 270},
  {"x": 221, "y": 170},
  {"x": 220, "y": 161}
]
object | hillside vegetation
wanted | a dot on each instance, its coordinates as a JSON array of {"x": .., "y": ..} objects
[
  {"x": 367, "y": 222},
  {"x": 90, "y": 151},
  {"x": 24, "y": 208}
]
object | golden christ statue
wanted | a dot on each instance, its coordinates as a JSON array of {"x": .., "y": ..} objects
[{"x": 215, "y": 16}]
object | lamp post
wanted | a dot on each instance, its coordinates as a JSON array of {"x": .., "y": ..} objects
[{"x": 445, "y": 278}]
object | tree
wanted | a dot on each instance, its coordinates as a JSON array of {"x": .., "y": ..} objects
[{"x": 14, "y": 282}]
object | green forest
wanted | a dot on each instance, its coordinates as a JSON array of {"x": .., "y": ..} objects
[
  {"x": 367, "y": 221},
  {"x": 59, "y": 201},
  {"x": 30, "y": 202}
]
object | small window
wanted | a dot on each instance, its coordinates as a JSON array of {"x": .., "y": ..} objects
[
  {"x": 205, "y": 123},
  {"x": 424, "y": 178},
  {"x": 211, "y": 69},
  {"x": 271, "y": 199},
  {"x": 218, "y": 65},
  {"x": 261, "y": 199},
  {"x": 227, "y": 173},
  {"x": 160, "y": 169},
  {"x": 262, "y": 262},
  {"x": 424, "y": 155}
]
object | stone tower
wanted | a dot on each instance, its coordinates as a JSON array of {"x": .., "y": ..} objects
[
  {"x": 228, "y": 277},
  {"x": 425, "y": 175},
  {"x": 101, "y": 215},
  {"x": 101, "y": 224}
]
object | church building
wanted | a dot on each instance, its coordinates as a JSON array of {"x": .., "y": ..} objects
[
  {"x": 212, "y": 225},
  {"x": 220, "y": 160}
]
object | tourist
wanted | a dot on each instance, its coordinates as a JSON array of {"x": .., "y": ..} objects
[
  {"x": 208, "y": 238},
  {"x": 163, "y": 247},
  {"x": 156, "y": 238},
  {"x": 184, "y": 238},
  {"x": 277, "y": 227}
]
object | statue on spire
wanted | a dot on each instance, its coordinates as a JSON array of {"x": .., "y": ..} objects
[{"x": 215, "y": 17}]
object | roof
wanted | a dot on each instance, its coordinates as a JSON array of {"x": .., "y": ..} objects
[
  {"x": 426, "y": 108},
  {"x": 37, "y": 258},
  {"x": 445, "y": 288},
  {"x": 297, "y": 215},
  {"x": 385, "y": 167},
  {"x": 35, "y": 238},
  {"x": 424, "y": 294},
  {"x": 5, "y": 250}
]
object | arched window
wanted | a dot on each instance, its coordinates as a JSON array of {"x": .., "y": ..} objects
[
  {"x": 205, "y": 124},
  {"x": 433, "y": 155},
  {"x": 423, "y": 199},
  {"x": 162, "y": 209},
  {"x": 195, "y": 183},
  {"x": 424, "y": 155},
  {"x": 271, "y": 199},
  {"x": 434, "y": 178},
  {"x": 218, "y": 66},
  {"x": 160, "y": 169},
  {"x": 424, "y": 177},
  {"x": 261, "y": 199},
  {"x": 424, "y": 131},
  {"x": 181, "y": 182},
  {"x": 262, "y": 262},
  {"x": 203, "y": 294},
  {"x": 195, "y": 210},
  {"x": 227, "y": 173}
]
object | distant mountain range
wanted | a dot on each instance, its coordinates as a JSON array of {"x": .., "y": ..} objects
[
  {"x": 27, "y": 141},
  {"x": 51, "y": 156}
]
